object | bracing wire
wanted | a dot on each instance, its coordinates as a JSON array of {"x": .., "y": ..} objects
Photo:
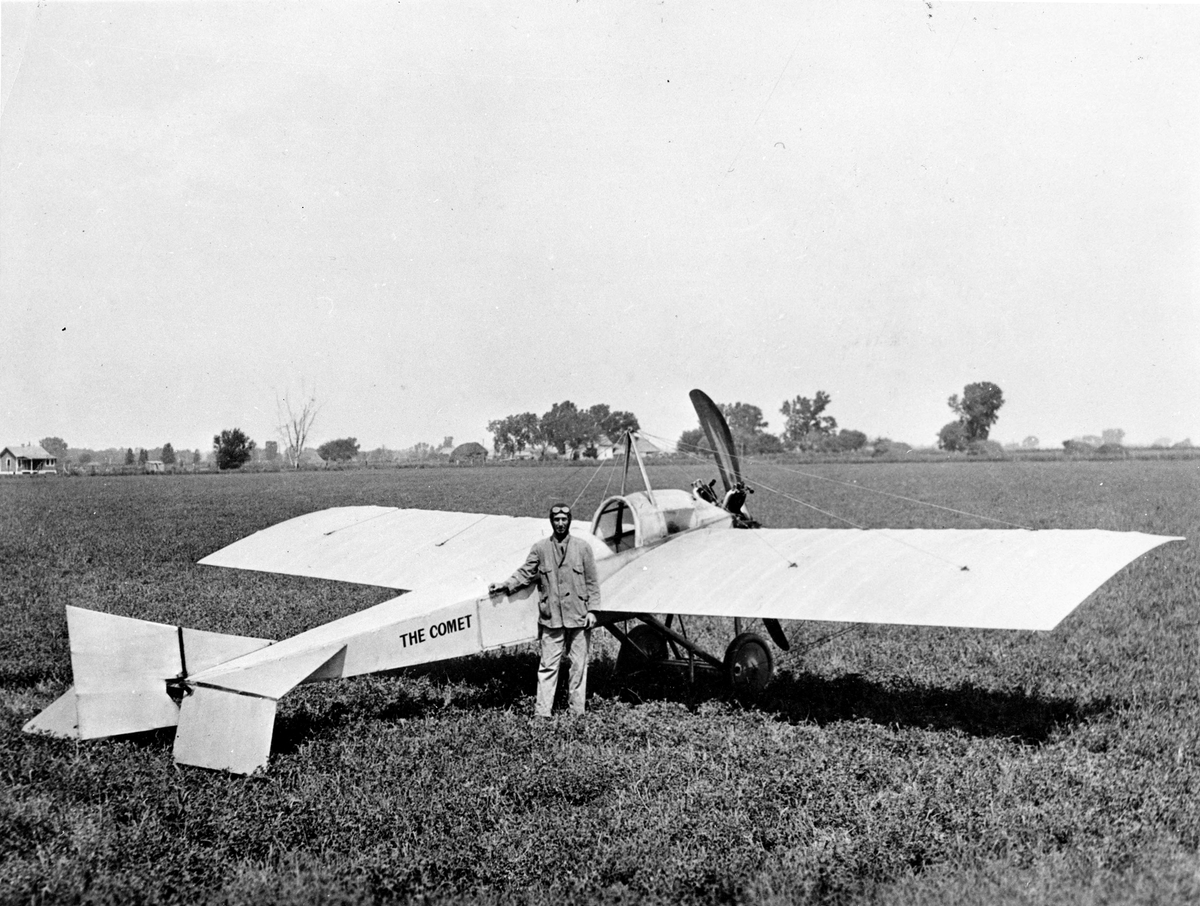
[
  {"x": 828, "y": 638},
  {"x": 698, "y": 451},
  {"x": 853, "y": 524},
  {"x": 935, "y": 506},
  {"x": 586, "y": 486},
  {"x": 612, "y": 473}
]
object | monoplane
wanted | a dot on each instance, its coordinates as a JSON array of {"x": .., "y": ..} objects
[{"x": 662, "y": 554}]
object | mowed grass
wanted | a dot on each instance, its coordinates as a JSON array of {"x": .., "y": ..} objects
[{"x": 889, "y": 764}]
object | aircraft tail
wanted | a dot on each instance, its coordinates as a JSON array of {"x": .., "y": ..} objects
[{"x": 129, "y": 674}]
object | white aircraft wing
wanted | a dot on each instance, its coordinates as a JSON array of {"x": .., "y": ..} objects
[
  {"x": 389, "y": 547},
  {"x": 984, "y": 579}
]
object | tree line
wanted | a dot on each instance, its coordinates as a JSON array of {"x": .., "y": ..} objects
[
  {"x": 809, "y": 428},
  {"x": 565, "y": 426}
]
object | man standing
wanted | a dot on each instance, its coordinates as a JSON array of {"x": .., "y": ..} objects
[{"x": 564, "y": 569}]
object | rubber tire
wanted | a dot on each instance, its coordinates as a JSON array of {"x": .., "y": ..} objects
[{"x": 749, "y": 665}]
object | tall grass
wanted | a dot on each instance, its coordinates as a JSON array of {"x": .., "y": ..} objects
[{"x": 891, "y": 764}]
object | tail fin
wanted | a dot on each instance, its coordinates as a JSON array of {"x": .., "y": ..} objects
[{"x": 124, "y": 673}]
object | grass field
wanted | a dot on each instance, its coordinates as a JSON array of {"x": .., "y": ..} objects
[{"x": 889, "y": 765}]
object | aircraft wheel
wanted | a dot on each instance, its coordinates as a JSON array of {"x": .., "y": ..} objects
[
  {"x": 653, "y": 650},
  {"x": 748, "y": 663}
]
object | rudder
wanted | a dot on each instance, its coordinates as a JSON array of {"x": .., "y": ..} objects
[{"x": 122, "y": 667}]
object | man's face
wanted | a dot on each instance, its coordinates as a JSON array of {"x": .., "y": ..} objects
[{"x": 560, "y": 523}]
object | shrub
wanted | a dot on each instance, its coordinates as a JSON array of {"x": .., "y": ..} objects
[
  {"x": 989, "y": 449},
  {"x": 953, "y": 437},
  {"x": 886, "y": 447},
  {"x": 1114, "y": 450},
  {"x": 848, "y": 440},
  {"x": 1078, "y": 448}
]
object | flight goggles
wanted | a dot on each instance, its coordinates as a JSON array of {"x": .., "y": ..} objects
[{"x": 560, "y": 509}]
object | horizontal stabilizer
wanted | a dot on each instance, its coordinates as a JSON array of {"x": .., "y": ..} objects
[
  {"x": 121, "y": 667},
  {"x": 278, "y": 671},
  {"x": 59, "y": 719},
  {"x": 225, "y": 731}
]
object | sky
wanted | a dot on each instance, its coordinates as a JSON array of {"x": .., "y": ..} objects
[{"x": 434, "y": 215}]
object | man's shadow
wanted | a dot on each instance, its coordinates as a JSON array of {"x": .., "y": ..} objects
[{"x": 505, "y": 680}]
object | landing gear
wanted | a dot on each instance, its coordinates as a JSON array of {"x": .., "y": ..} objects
[
  {"x": 748, "y": 663},
  {"x": 652, "y": 645},
  {"x": 644, "y": 648}
]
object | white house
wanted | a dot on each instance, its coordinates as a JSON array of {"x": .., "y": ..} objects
[{"x": 30, "y": 459}]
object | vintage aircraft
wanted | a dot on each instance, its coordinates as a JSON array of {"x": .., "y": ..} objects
[{"x": 664, "y": 551}]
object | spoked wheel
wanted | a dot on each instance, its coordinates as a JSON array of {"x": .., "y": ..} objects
[
  {"x": 748, "y": 663},
  {"x": 652, "y": 650}
]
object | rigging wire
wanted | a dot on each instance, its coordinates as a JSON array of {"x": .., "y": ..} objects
[
  {"x": 699, "y": 452},
  {"x": 829, "y": 638},
  {"x": 586, "y": 486},
  {"x": 884, "y": 532},
  {"x": 612, "y": 473}
]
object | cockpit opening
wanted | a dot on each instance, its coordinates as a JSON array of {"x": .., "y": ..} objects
[
  {"x": 640, "y": 519},
  {"x": 615, "y": 525}
]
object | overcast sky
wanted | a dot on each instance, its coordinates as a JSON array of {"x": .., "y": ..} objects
[{"x": 439, "y": 214}]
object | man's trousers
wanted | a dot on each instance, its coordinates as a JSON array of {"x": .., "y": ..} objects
[{"x": 554, "y": 642}]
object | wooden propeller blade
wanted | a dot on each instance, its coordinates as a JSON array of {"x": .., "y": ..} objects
[{"x": 775, "y": 631}]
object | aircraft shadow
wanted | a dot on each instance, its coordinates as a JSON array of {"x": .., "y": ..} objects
[
  {"x": 1029, "y": 718},
  {"x": 504, "y": 681}
]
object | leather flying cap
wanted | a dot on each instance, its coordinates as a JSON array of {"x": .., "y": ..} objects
[{"x": 560, "y": 509}]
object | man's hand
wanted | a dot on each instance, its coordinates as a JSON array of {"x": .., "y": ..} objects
[
  {"x": 589, "y": 620},
  {"x": 495, "y": 589}
]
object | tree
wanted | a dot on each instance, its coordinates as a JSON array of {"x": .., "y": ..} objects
[
  {"x": 340, "y": 450},
  {"x": 614, "y": 424},
  {"x": 232, "y": 448},
  {"x": 746, "y": 424},
  {"x": 564, "y": 425},
  {"x": 1030, "y": 443},
  {"x": 1114, "y": 436},
  {"x": 849, "y": 440},
  {"x": 55, "y": 446},
  {"x": 694, "y": 442},
  {"x": 129, "y": 459},
  {"x": 953, "y": 437},
  {"x": 514, "y": 433},
  {"x": 295, "y": 416},
  {"x": 806, "y": 427},
  {"x": 143, "y": 457},
  {"x": 270, "y": 451},
  {"x": 767, "y": 443},
  {"x": 168, "y": 455},
  {"x": 977, "y": 409}
]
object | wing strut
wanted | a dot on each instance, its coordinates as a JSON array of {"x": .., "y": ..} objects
[{"x": 631, "y": 448}]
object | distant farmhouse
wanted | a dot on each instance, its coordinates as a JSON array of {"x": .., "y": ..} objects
[
  {"x": 310, "y": 458},
  {"x": 30, "y": 459},
  {"x": 645, "y": 447}
]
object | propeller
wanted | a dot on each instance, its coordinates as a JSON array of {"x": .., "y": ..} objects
[
  {"x": 716, "y": 429},
  {"x": 775, "y": 631}
]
